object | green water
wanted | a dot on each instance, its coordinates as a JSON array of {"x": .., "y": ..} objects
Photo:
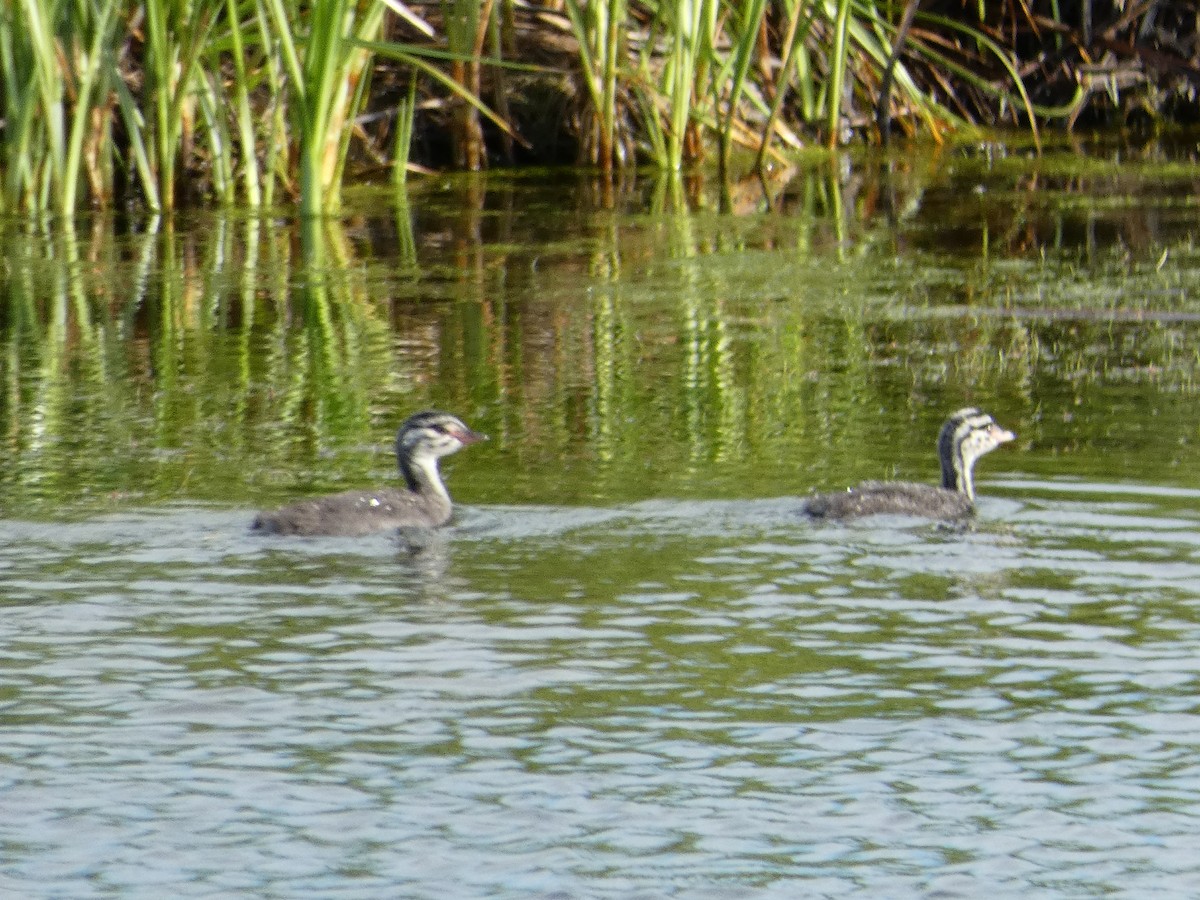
[{"x": 630, "y": 668}]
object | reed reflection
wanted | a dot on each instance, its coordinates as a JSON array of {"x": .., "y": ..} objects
[{"x": 685, "y": 352}]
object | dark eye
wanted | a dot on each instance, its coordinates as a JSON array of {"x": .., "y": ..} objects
[{"x": 440, "y": 429}]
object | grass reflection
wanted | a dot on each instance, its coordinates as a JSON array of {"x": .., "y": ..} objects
[{"x": 612, "y": 353}]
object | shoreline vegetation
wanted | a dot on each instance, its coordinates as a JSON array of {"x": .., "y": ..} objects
[{"x": 161, "y": 105}]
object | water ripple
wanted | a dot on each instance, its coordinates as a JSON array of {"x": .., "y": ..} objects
[{"x": 666, "y": 699}]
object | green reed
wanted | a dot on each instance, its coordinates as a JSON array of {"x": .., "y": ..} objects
[
  {"x": 236, "y": 94},
  {"x": 246, "y": 101},
  {"x": 742, "y": 56},
  {"x": 467, "y": 23},
  {"x": 243, "y": 112},
  {"x": 600, "y": 27},
  {"x": 34, "y": 95},
  {"x": 725, "y": 72},
  {"x": 328, "y": 76}
]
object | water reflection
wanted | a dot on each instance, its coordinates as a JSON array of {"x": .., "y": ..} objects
[
  {"x": 631, "y": 669},
  {"x": 682, "y": 353}
]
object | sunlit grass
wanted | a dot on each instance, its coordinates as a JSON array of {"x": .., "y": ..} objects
[{"x": 253, "y": 101}]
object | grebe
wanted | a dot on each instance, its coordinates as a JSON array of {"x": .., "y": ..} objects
[
  {"x": 422, "y": 439},
  {"x": 966, "y": 436}
]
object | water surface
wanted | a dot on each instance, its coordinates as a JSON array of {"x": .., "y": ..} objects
[{"x": 630, "y": 669}]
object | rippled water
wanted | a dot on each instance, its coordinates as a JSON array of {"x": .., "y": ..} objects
[
  {"x": 669, "y": 698},
  {"x": 631, "y": 670}
]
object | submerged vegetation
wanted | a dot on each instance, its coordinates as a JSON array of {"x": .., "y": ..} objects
[{"x": 265, "y": 101}]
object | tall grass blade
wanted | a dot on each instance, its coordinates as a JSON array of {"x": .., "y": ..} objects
[
  {"x": 406, "y": 112},
  {"x": 213, "y": 101},
  {"x": 680, "y": 72},
  {"x": 88, "y": 76},
  {"x": 135, "y": 128},
  {"x": 243, "y": 113},
  {"x": 835, "y": 87},
  {"x": 600, "y": 29},
  {"x": 794, "y": 57},
  {"x": 46, "y": 91},
  {"x": 175, "y": 37},
  {"x": 326, "y": 75},
  {"x": 745, "y": 43}
]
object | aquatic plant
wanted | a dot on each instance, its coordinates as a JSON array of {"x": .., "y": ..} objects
[{"x": 162, "y": 103}]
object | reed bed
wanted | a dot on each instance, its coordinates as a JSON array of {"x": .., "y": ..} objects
[{"x": 260, "y": 102}]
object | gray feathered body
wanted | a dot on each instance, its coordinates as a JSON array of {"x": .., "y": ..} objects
[
  {"x": 901, "y": 498},
  {"x": 355, "y": 513},
  {"x": 967, "y": 435},
  {"x": 423, "y": 503}
]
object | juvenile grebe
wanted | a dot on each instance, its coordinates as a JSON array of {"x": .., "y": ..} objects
[
  {"x": 425, "y": 503},
  {"x": 966, "y": 436}
]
